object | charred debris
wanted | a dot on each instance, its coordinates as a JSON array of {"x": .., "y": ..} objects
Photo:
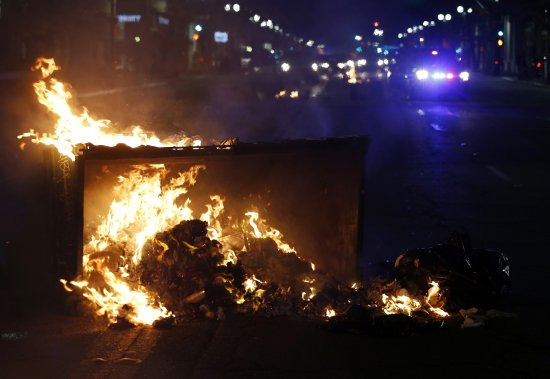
[{"x": 195, "y": 277}]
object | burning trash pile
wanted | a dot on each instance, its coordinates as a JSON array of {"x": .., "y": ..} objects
[
  {"x": 148, "y": 260},
  {"x": 428, "y": 285}
]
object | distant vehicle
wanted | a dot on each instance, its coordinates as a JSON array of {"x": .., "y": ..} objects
[
  {"x": 372, "y": 67},
  {"x": 428, "y": 73}
]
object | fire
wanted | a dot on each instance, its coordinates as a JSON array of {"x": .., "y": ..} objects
[
  {"x": 148, "y": 200},
  {"x": 329, "y": 312},
  {"x": 261, "y": 230},
  {"x": 402, "y": 303},
  {"x": 74, "y": 128},
  {"x": 311, "y": 295},
  {"x": 211, "y": 216},
  {"x": 142, "y": 206},
  {"x": 433, "y": 300}
]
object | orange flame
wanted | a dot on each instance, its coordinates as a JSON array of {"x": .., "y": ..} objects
[
  {"x": 74, "y": 129},
  {"x": 406, "y": 305}
]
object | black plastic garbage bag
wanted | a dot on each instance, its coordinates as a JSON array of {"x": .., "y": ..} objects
[{"x": 468, "y": 276}]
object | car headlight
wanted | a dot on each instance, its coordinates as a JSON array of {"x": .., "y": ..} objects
[
  {"x": 464, "y": 76},
  {"x": 439, "y": 75},
  {"x": 422, "y": 74}
]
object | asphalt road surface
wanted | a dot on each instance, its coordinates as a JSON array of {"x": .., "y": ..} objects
[{"x": 479, "y": 164}]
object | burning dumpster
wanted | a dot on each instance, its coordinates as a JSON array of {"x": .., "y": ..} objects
[
  {"x": 144, "y": 221},
  {"x": 310, "y": 190},
  {"x": 301, "y": 198}
]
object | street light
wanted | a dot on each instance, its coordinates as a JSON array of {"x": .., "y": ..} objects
[
  {"x": 227, "y": 7},
  {"x": 256, "y": 18},
  {"x": 470, "y": 10},
  {"x": 236, "y": 8},
  {"x": 460, "y": 9},
  {"x": 425, "y": 23},
  {"x": 448, "y": 17},
  {"x": 409, "y": 30},
  {"x": 440, "y": 17}
]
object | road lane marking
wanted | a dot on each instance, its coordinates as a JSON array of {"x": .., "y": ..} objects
[{"x": 499, "y": 174}]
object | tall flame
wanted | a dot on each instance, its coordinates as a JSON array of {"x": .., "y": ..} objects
[
  {"x": 211, "y": 216},
  {"x": 142, "y": 206},
  {"x": 73, "y": 129}
]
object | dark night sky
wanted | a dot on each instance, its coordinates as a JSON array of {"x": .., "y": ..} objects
[{"x": 331, "y": 20}]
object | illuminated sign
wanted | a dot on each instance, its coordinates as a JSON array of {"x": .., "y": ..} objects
[
  {"x": 221, "y": 37},
  {"x": 123, "y": 18}
]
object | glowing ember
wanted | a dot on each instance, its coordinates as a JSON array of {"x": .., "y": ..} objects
[
  {"x": 329, "y": 312},
  {"x": 311, "y": 295},
  {"x": 76, "y": 128}
]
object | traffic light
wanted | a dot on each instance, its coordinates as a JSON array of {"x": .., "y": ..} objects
[
  {"x": 358, "y": 37},
  {"x": 376, "y": 24},
  {"x": 500, "y": 42},
  {"x": 196, "y": 36}
]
